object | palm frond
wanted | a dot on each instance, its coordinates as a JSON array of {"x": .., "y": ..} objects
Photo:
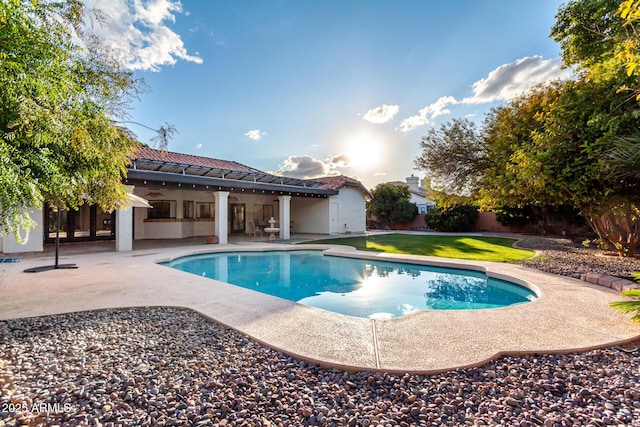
[
  {"x": 624, "y": 157},
  {"x": 629, "y": 306}
]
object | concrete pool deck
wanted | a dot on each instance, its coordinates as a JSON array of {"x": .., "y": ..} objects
[{"x": 569, "y": 314}]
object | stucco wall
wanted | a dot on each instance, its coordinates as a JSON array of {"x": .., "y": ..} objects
[
  {"x": 351, "y": 211},
  {"x": 310, "y": 215},
  {"x": 9, "y": 244},
  {"x": 316, "y": 216},
  {"x": 487, "y": 222}
]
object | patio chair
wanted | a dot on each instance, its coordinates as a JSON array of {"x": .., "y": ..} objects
[
  {"x": 251, "y": 229},
  {"x": 258, "y": 228}
]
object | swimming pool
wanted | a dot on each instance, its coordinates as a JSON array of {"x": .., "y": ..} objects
[{"x": 353, "y": 286}]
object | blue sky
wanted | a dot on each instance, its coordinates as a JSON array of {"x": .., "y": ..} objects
[{"x": 307, "y": 88}]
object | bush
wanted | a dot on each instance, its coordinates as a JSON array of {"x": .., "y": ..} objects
[
  {"x": 518, "y": 217},
  {"x": 456, "y": 218},
  {"x": 632, "y": 306},
  {"x": 546, "y": 219}
]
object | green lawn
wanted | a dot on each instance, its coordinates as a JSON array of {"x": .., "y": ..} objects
[{"x": 476, "y": 248}]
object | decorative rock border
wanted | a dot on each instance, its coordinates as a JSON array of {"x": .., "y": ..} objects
[{"x": 615, "y": 283}]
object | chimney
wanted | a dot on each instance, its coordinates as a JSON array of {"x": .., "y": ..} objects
[{"x": 413, "y": 182}]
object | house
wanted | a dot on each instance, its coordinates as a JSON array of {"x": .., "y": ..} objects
[
  {"x": 419, "y": 195},
  {"x": 195, "y": 196}
]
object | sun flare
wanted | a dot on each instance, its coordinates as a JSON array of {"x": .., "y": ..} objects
[{"x": 364, "y": 151}]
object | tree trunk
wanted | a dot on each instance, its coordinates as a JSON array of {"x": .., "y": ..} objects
[{"x": 617, "y": 224}]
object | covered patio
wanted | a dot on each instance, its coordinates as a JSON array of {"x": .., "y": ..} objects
[
  {"x": 195, "y": 196},
  {"x": 178, "y": 196}
]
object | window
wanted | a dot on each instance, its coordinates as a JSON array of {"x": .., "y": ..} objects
[
  {"x": 162, "y": 209},
  {"x": 205, "y": 210},
  {"x": 262, "y": 213},
  {"x": 187, "y": 209}
]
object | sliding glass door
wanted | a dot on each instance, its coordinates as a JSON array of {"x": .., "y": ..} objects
[{"x": 85, "y": 224}]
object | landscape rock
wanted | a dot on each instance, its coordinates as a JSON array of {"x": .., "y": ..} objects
[{"x": 167, "y": 366}]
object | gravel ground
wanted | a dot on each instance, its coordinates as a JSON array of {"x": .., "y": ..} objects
[
  {"x": 165, "y": 366},
  {"x": 571, "y": 258}
]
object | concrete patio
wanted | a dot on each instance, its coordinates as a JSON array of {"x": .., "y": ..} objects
[{"x": 569, "y": 314}]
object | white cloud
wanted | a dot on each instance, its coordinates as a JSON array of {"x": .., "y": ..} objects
[
  {"x": 156, "y": 11},
  {"x": 513, "y": 79},
  {"x": 382, "y": 114},
  {"x": 137, "y": 30},
  {"x": 339, "y": 160},
  {"x": 308, "y": 167},
  {"x": 502, "y": 84},
  {"x": 255, "y": 134},
  {"x": 428, "y": 113}
]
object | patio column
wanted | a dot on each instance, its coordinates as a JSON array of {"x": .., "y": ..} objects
[
  {"x": 124, "y": 229},
  {"x": 285, "y": 217},
  {"x": 222, "y": 216}
]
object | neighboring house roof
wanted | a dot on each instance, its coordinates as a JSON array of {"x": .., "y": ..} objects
[{"x": 338, "y": 181}]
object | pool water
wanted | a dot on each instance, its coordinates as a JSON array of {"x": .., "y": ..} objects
[{"x": 355, "y": 287}]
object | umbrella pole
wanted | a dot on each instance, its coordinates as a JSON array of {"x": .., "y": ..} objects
[
  {"x": 57, "y": 237},
  {"x": 56, "y": 265}
]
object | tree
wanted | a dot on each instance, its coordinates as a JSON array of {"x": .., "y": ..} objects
[
  {"x": 513, "y": 180},
  {"x": 467, "y": 160},
  {"x": 60, "y": 93},
  {"x": 549, "y": 146},
  {"x": 624, "y": 158},
  {"x": 591, "y": 34},
  {"x": 547, "y": 150},
  {"x": 629, "y": 11},
  {"x": 600, "y": 37},
  {"x": 391, "y": 204},
  {"x": 454, "y": 157}
]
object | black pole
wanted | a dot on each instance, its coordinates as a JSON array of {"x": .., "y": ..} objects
[
  {"x": 57, "y": 237},
  {"x": 56, "y": 265}
]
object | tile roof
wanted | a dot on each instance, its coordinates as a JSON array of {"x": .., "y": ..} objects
[
  {"x": 240, "y": 171},
  {"x": 336, "y": 182},
  {"x": 147, "y": 153}
]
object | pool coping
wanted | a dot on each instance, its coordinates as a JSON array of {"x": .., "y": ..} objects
[{"x": 568, "y": 315}]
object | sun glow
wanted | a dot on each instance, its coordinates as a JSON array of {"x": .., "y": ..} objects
[{"x": 364, "y": 151}]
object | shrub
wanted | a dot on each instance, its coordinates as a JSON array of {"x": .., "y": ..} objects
[{"x": 456, "y": 218}]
